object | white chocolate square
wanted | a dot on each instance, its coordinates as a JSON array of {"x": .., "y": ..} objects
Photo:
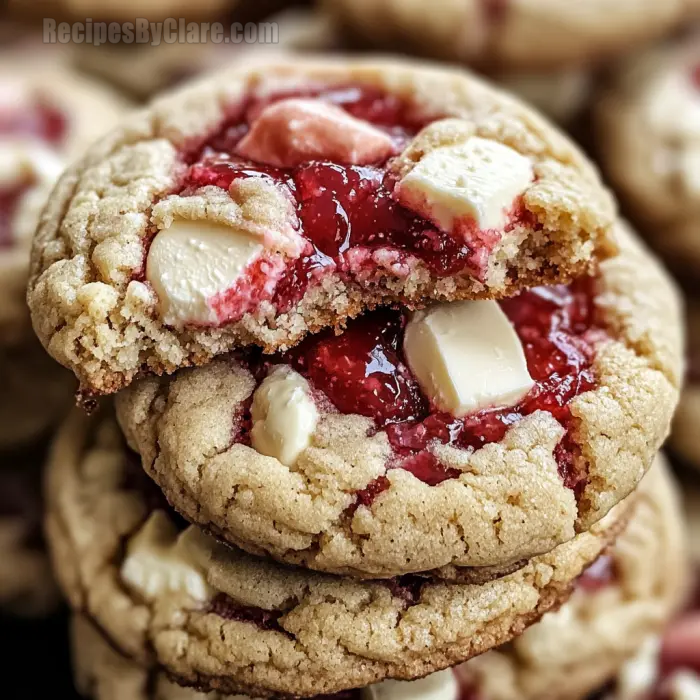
[
  {"x": 684, "y": 685},
  {"x": 192, "y": 262},
  {"x": 294, "y": 131},
  {"x": 478, "y": 180},
  {"x": 467, "y": 356},
  {"x": 160, "y": 561}
]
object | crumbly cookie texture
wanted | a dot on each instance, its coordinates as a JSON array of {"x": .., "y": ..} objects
[
  {"x": 316, "y": 633},
  {"x": 89, "y": 110},
  {"x": 95, "y": 315},
  {"x": 509, "y": 503},
  {"x": 567, "y": 655},
  {"x": 519, "y": 34},
  {"x": 648, "y": 131},
  {"x": 578, "y": 649}
]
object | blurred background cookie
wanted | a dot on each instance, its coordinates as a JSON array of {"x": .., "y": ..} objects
[{"x": 648, "y": 142}]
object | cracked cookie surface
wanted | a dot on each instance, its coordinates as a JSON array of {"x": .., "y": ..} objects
[
  {"x": 628, "y": 595},
  {"x": 126, "y": 278},
  {"x": 377, "y": 499},
  {"x": 218, "y": 619}
]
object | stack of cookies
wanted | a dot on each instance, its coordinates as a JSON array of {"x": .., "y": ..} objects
[
  {"x": 47, "y": 117},
  {"x": 390, "y": 374}
]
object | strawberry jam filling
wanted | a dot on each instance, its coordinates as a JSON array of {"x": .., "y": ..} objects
[
  {"x": 350, "y": 221},
  {"x": 364, "y": 372},
  {"x": 42, "y": 122}
]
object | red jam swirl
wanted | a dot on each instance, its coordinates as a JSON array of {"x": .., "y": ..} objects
[
  {"x": 39, "y": 120},
  {"x": 364, "y": 372},
  {"x": 347, "y": 212}
]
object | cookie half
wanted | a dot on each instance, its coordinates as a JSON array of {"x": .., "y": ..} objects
[
  {"x": 49, "y": 116},
  {"x": 509, "y": 34},
  {"x": 648, "y": 127},
  {"x": 265, "y": 203},
  {"x": 347, "y": 455},
  {"x": 216, "y": 618}
]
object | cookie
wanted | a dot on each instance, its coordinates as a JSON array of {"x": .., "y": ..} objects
[
  {"x": 509, "y": 34},
  {"x": 626, "y": 597},
  {"x": 233, "y": 216},
  {"x": 48, "y": 117},
  {"x": 562, "y": 95},
  {"x": 343, "y": 455},
  {"x": 648, "y": 131},
  {"x": 668, "y": 666},
  {"x": 36, "y": 394},
  {"x": 142, "y": 70},
  {"x": 27, "y": 586},
  {"x": 218, "y": 619},
  {"x": 684, "y": 436}
]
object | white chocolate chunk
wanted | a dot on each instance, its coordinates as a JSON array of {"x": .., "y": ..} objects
[
  {"x": 467, "y": 356},
  {"x": 284, "y": 415},
  {"x": 442, "y": 685},
  {"x": 639, "y": 674},
  {"x": 684, "y": 685},
  {"x": 192, "y": 262},
  {"x": 294, "y": 131},
  {"x": 479, "y": 180},
  {"x": 161, "y": 561}
]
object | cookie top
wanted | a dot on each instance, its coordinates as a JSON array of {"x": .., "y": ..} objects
[
  {"x": 626, "y": 597},
  {"x": 266, "y": 202},
  {"x": 648, "y": 128},
  {"x": 47, "y": 117},
  {"x": 344, "y": 456},
  {"x": 510, "y": 34},
  {"x": 216, "y": 618}
]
